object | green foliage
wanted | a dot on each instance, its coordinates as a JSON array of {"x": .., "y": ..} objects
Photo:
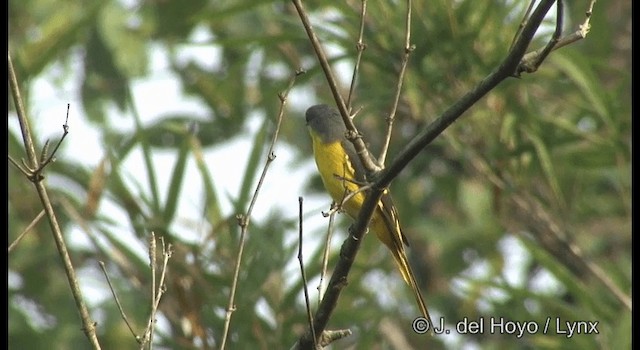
[{"x": 556, "y": 142}]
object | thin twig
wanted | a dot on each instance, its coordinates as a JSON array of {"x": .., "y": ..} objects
[
  {"x": 152, "y": 264},
  {"x": 88, "y": 325},
  {"x": 65, "y": 128},
  {"x": 244, "y": 220},
  {"x": 525, "y": 18},
  {"x": 530, "y": 67},
  {"x": 408, "y": 48},
  {"x": 530, "y": 61},
  {"x": 22, "y": 169},
  {"x": 115, "y": 297},
  {"x": 22, "y": 116},
  {"x": 346, "y": 196},
  {"x": 360, "y": 47},
  {"x": 304, "y": 276},
  {"x": 325, "y": 255},
  {"x": 167, "y": 251},
  {"x": 26, "y": 230}
]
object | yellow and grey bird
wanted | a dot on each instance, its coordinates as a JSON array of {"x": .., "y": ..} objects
[{"x": 342, "y": 172}]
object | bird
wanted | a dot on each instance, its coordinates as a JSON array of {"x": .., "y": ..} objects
[{"x": 343, "y": 174}]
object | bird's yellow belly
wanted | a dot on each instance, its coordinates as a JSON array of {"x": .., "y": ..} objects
[{"x": 338, "y": 175}]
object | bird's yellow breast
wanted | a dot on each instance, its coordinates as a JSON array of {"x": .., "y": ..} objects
[
  {"x": 337, "y": 174},
  {"x": 332, "y": 160}
]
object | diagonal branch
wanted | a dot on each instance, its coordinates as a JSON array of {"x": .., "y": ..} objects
[
  {"x": 367, "y": 161},
  {"x": 351, "y": 245},
  {"x": 88, "y": 325},
  {"x": 507, "y": 69}
]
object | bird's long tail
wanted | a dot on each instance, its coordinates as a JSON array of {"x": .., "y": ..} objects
[{"x": 401, "y": 260}]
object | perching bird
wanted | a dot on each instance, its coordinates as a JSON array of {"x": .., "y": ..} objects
[{"x": 342, "y": 173}]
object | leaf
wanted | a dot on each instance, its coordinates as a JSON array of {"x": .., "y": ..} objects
[
  {"x": 127, "y": 41},
  {"x": 547, "y": 166},
  {"x": 176, "y": 179},
  {"x": 253, "y": 163}
]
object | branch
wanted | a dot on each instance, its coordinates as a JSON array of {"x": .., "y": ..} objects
[
  {"x": 353, "y": 135},
  {"x": 325, "y": 255},
  {"x": 25, "y": 231},
  {"x": 360, "y": 47},
  {"x": 304, "y": 276},
  {"x": 532, "y": 60},
  {"x": 507, "y": 69},
  {"x": 408, "y": 48},
  {"x": 244, "y": 220},
  {"x": 158, "y": 290},
  {"x": 36, "y": 168},
  {"x": 116, "y": 299}
]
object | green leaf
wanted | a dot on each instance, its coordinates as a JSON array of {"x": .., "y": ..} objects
[
  {"x": 253, "y": 164},
  {"x": 177, "y": 178},
  {"x": 126, "y": 41},
  {"x": 544, "y": 156}
]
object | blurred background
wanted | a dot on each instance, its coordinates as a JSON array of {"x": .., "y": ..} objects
[{"x": 172, "y": 108}]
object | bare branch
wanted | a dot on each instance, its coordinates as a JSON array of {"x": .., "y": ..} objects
[
  {"x": 244, "y": 220},
  {"x": 88, "y": 325},
  {"x": 325, "y": 255},
  {"x": 304, "y": 276},
  {"x": 408, "y": 48},
  {"x": 532, "y": 65},
  {"x": 44, "y": 162},
  {"x": 532, "y": 60},
  {"x": 360, "y": 47},
  {"x": 506, "y": 69},
  {"x": 115, "y": 297},
  {"x": 354, "y": 136},
  {"x": 525, "y": 18},
  {"x": 147, "y": 338}
]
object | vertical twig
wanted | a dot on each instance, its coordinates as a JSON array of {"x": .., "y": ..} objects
[
  {"x": 325, "y": 255},
  {"x": 360, "y": 47},
  {"x": 152, "y": 264},
  {"x": 408, "y": 48},
  {"x": 304, "y": 276},
  {"x": 244, "y": 220},
  {"x": 167, "y": 251},
  {"x": 530, "y": 63}
]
